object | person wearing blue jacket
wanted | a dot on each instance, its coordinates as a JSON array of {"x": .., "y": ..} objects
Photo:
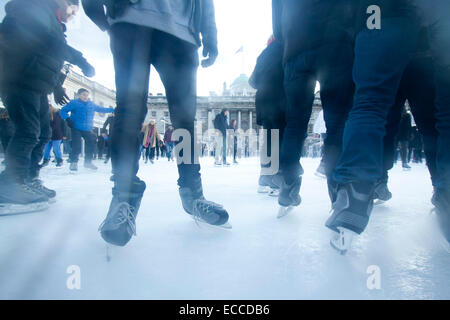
[{"x": 81, "y": 121}]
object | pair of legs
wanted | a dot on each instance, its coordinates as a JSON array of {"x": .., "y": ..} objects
[
  {"x": 169, "y": 151},
  {"x": 134, "y": 49},
  {"x": 150, "y": 153},
  {"x": 29, "y": 112},
  {"x": 56, "y": 146},
  {"x": 221, "y": 149},
  {"x": 332, "y": 68},
  {"x": 89, "y": 144}
]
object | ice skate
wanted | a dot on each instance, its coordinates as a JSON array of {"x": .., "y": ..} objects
[
  {"x": 289, "y": 197},
  {"x": 406, "y": 167},
  {"x": 381, "y": 193},
  {"x": 37, "y": 186},
  {"x": 90, "y": 165},
  {"x": 120, "y": 224},
  {"x": 320, "y": 171},
  {"x": 73, "y": 167},
  {"x": 350, "y": 212},
  {"x": 59, "y": 163},
  {"x": 44, "y": 163},
  {"x": 16, "y": 198},
  {"x": 266, "y": 184},
  {"x": 342, "y": 240},
  {"x": 202, "y": 210},
  {"x": 441, "y": 201}
]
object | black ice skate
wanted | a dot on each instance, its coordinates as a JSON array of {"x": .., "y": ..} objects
[
  {"x": 120, "y": 224},
  {"x": 202, "y": 210},
  {"x": 73, "y": 167},
  {"x": 44, "y": 163},
  {"x": 381, "y": 193},
  {"x": 59, "y": 163},
  {"x": 406, "y": 167},
  {"x": 289, "y": 197},
  {"x": 16, "y": 197},
  {"x": 37, "y": 186},
  {"x": 441, "y": 201},
  {"x": 349, "y": 215}
]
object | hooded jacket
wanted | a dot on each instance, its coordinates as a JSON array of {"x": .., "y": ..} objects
[{"x": 33, "y": 46}]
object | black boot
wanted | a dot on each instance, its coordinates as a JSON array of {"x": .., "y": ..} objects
[
  {"x": 37, "y": 186},
  {"x": 441, "y": 200},
  {"x": 290, "y": 193},
  {"x": 120, "y": 224},
  {"x": 351, "y": 208},
  {"x": 206, "y": 211},
  {"x": 59, "y": 163}
]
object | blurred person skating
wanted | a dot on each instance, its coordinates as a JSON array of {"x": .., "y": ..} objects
[
  {"x": 6, "y": 130},
  {"x": 108, "y": 127},
  {"x": 170, "y": 144},
  {"x": 58, "y": 133},
  {"x": 270, "y": 102},
  {"x": 221, "y": 124},
  {"x": 34, "y": 49},
  {"x": 317, "y": 43},
  {"x": 166, "y": 34},
  {"x": 234, "y": 128},
  {"x": 81, "y": 122},
  {"x": 150, "y": 141}
]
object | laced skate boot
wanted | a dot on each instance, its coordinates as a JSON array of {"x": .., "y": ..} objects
[
  {"x": 381, "y": 193},
  {"x": 18, "y": 197},
  {"x": 37, "y": 186},
  {"x": 350, "y": 214},
  {"x": 45, "y": 163},
  {"x": 289, "y": 196},
  {"x": 406, "y": 167},
  {"x": 441, "y": 201},
  {"x": 120, "y": 224},
  {"x": 74, "y": 166},
  {"x": 90, "y": 165},
  {"x": 266, "y": 184},
  {"x": 202, "y": 210}
]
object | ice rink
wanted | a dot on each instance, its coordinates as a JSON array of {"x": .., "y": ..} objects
[{"x": 260, "y": 258}]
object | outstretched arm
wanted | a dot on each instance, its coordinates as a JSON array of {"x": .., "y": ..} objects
[{"x": 103, "y": 109}]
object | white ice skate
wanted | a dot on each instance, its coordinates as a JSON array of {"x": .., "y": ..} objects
[
  {"x": 274, "y": 192},
  {"x": 7, "y": 209},
  {"x": 263, "y": 189},
  {"x": 343, "y": 240},
  {"x": 283, "y": 211}
]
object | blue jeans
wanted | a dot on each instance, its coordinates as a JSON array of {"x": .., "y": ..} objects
[
  {"x": 381, "y": 57},
  {"x": 169, "y": 146},
  {"x": 56, "y": 145}
]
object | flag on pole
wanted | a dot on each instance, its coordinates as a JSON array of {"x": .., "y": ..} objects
[{"x": 241, "y": 49}]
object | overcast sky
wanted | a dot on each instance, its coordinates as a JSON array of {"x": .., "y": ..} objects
[{"x": 239, "y": 22}]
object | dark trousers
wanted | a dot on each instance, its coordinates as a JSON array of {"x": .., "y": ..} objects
[
  {"x": 134, "y": 49},
  {"x": 331, "y": 65},
  {"x": 381, "y": 57},
  {"x": 150, "y": 153},
  {"x": 29, "y": 112},
  {"x": 89, "y": 145},
  {"x": 6, "y": 132}
]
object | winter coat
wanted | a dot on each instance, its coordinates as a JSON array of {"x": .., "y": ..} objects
[
  {"x": 267, "y": 79},
  {"x": 168, "y": 136},
  {"x": 304, "y": 25},
  {"x": 58, "y": 126},
  {"x": 150, "y": 136},
  {"x": 109, "y": 122},
  {"x": 221, "y": 123},
  {"x": 184, "y": 19},
  {"x": 33, "y": 46},
  {"x": 82, "y": 113}
]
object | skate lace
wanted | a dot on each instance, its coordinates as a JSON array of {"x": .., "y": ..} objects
[
  {"x": 125, "y": 214},
  {"x": 203, "y": 207}
]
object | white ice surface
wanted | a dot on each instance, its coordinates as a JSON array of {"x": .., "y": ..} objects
[{"x": 260, "y": 258}]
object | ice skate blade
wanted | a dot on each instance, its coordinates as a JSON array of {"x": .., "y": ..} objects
[
  {"x": 9, "y": 209},
  {"x": 379, "y": 202},
  {"x": 202, "y": 223},
  {"x": 320, "y": 175},
  {"x": 342, "y": 241},
  {"x": 263, "y": 189},
  {"x": 283, "y": 211}
]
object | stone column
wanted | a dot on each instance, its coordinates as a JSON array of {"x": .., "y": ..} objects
[
  {"x": 250, "y": 119},
  {"x": 239, "y": 119}
]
